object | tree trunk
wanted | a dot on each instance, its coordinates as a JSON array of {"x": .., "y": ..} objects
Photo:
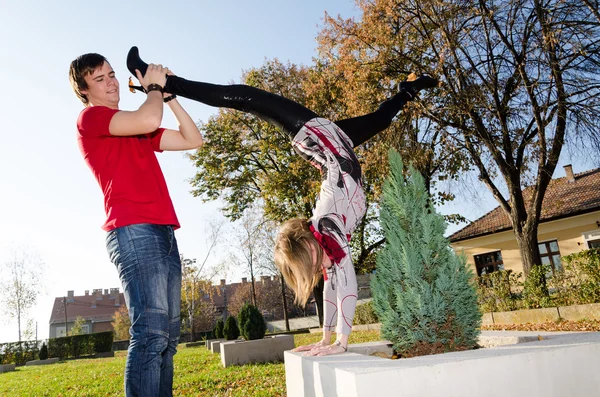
[
  {"x": 527, "y": 241},
  {"x": 284, "y": 300},
  {"x": 19, "y": 322},
  {"x": 252, "y": 281},
  {"x": 191, "y": 312}
]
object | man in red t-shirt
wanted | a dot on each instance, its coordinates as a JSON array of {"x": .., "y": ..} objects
[{"x": 119, "y": 147}]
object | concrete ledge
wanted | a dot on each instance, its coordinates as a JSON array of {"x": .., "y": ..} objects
[
  {"x": 489, "y": 339},
  {"x": 216, "y": 349},
  {"x": 215, "y": 345},
  {"x": 295, "y": 323},
  {"x": 120, "y": 345},
  {"x": 382, "y": 348},
  {"x": 560, "y": 365},
  {"x": 195, "y": 344},
  {"x": 486, "y": 339},
  {"x": 487, "y": 319},
  {"x": 526, "y": 316},
  {"x": 571, "y": 313},
  {"x": 43, "y": 362},
  {"x": 580, "y": 312},
  {"x": 269, "y": 349},
  {"x": 7, "y": 368}
]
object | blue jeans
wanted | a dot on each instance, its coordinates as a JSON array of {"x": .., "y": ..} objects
[{"x": 147, "y": 259}]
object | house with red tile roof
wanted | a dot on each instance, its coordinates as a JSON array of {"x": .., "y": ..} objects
[
  {"x": 96, "y": 308},
  {"x": 569, "y": 223}
]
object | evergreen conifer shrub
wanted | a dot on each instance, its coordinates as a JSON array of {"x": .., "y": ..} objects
[
  {"x": 219, "y": 329},
  {"x": 252, "y": 323},
  {"x": 423, "y": 293},
  {"x": 43, "y": 355},
  {"x": 231, "y": 330}
]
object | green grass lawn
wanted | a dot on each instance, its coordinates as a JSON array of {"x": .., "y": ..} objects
[{"x": 197, "y": 373}]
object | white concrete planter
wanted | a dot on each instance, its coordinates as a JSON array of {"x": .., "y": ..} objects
[
  {"x": 7, "y": 368},
  {"x": 42, "y": 362},
  {"x": 556, "y": 366},
  {"x": 214, "y": 345},
  {"x": 210, "y": 341},
  {"x": 269, "y": 349}
]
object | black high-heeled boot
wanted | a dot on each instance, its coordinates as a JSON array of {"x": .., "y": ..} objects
[
  {"x": 135, "y": 62},
  {"x": 413, "y": 85}
]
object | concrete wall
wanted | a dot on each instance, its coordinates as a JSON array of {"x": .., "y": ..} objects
[
  {"x": 295, "y": 323},
  {"x": 301, "y": 322},
  {"x": 557, "y": 366},
  {"x": 571, "y": 313},
  {"x": 568, "y": 232},
  {"x": 269, "y": 349}
]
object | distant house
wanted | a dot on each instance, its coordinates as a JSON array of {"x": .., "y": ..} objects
[
  {"x": 223, "y": 293},
  {"x": 97, "y": 309},
  {"x": 569, "y": 222}
]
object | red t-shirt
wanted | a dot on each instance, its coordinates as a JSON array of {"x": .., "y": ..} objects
[{"x": 127, "y": 170}]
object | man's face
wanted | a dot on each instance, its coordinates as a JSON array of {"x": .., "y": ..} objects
[{"x": 103, "y": 87}]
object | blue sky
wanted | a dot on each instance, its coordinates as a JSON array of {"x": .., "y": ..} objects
[{"x": 50, "y": 202}]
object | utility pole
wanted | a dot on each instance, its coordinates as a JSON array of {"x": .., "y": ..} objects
[
  {"x": 225, "y": 313},
  {"x": 66, "y": 324}
]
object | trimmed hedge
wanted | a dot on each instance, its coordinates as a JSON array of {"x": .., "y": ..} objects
[
  {"x": 577, "y": 283},
  {"x": 80, "y": 345},
  {"x": 18, "y": 352}
]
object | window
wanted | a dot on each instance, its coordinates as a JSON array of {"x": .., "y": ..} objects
[
  {"x": 592, "y": 239},
  {"x": 550, "y": 254},
  {"x": 488, "y": 263}
]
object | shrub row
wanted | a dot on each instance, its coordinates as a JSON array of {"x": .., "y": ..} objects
[
  {"x": 250, "y": 325},
  {"x": 577, "y": 283},
  {"x": 80, "y": 345},
  {"x": 18, "y": 352}
]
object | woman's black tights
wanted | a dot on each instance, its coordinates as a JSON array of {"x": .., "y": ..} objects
[
  {"x": 284, "y": 112},
  {"x": 281, "y": 111}
]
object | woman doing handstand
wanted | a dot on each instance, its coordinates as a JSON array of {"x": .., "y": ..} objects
[{"x": 308, "y": 249}]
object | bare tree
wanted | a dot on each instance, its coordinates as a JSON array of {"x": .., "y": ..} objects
[
  {"x": 521, "y": 78},
  {"x": 269, "y": 235},
  {"x": 22, "y": 284},
  {"x": 251, "y": 245},
  {"x": 196, "y": 280}
]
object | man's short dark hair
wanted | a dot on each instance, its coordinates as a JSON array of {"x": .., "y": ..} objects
[{"x": 81, "y": 67}]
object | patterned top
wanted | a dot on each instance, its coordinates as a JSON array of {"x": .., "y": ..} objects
[{"x": 340, "y": 207}]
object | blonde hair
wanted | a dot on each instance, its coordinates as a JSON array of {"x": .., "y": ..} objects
[{"x": 294, "y": 259}]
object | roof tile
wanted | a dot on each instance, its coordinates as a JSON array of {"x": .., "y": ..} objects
[{"x": 563, "y": 198}]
